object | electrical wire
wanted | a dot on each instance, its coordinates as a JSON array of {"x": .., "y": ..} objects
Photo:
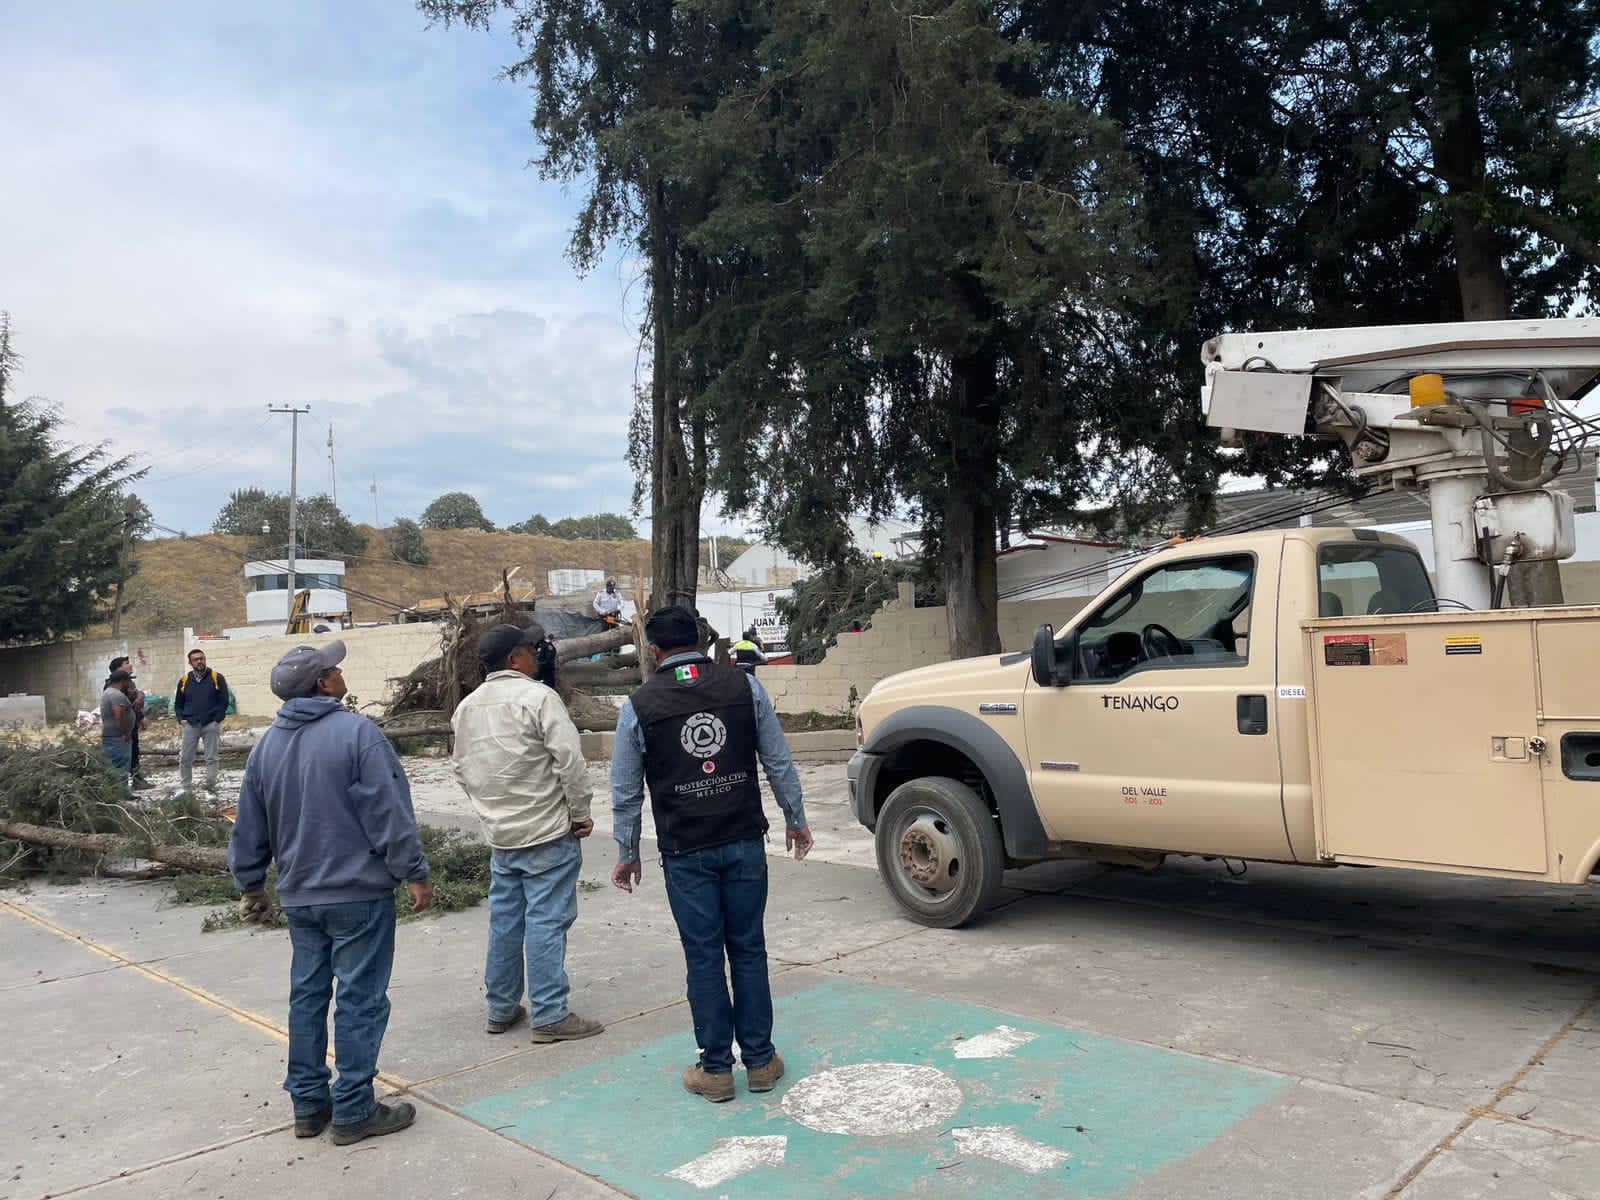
[
  {"x": 210, "y": 464},
  {"x": 1245, "y": 523}
]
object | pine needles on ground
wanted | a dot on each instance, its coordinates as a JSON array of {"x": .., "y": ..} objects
[
  {"x": 458, "y": 861},
  {"x": 68, "y": 785}
]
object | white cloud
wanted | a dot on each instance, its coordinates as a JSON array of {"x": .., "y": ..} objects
[{"x": 308, "y": 205}]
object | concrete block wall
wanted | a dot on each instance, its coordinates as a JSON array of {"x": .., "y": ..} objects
[
  {"x": 71, "y": 675},
  {"x": 900, "y": 638},
  {"x": 374, "y": 657}
]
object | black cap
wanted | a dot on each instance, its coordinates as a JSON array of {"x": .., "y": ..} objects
[
  {"x": 121, "y": 662},
  {"x": 500, "y": 640},
  {"x": 672, "y": 628}
]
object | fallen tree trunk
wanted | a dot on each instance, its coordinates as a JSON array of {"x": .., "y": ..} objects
[
  {"x": 190, "y": 858},
  {"x": 584, "y": 674},
  {"x": 593, "y": 643}
]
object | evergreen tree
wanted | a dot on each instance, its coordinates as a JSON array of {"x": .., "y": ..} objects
[
  {"x": 926, "y": 257},
  {"x": 622, "y": 89},
  {"x": 62, "y": 513}
]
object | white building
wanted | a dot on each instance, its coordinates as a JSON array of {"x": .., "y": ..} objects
[
  {"x": 764, "y": 566},
  {"x": 568, "y": 581},
  {"x": 267, "y": 594}
]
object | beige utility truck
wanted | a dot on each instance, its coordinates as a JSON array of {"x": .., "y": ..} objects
[{"x": 1296, "y": 695}]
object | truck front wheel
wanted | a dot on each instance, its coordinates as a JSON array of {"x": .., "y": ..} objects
[{"x": 939, "y": 850}]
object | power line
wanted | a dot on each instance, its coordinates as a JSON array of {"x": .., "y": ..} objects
[
  {"x": 210, "y": 464},
  {"x": 1245, "y": 523}
]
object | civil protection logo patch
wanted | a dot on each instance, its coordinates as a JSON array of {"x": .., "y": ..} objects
[{"x": 704, "y": 735}]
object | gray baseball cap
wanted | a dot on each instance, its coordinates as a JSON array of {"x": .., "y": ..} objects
[{"x": 298, "y": 670}]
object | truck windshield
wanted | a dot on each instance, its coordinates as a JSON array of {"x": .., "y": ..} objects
[{"x": 1362, "y": 578}]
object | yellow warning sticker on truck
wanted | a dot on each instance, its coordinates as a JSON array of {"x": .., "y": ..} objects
[{"x": 1463, "y": 643}]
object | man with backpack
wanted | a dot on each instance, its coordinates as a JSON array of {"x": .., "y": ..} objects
[{"x": 200, "y": 704}]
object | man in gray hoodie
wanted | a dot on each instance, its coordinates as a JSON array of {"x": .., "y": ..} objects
[{"x": 325, "y": 796}]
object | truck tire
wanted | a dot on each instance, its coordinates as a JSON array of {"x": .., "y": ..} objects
[{"x": 939, "y": 851}]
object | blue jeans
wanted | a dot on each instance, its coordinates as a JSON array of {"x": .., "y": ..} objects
[
  {"x": 353, "y": 943},
  {"x": 719, "y": 900},
  {"x": 119, "y": 752},
  {"x": 533, "y": 901}
]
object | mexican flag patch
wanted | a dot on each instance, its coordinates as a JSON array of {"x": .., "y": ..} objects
[{"x": 686, "y": 674}]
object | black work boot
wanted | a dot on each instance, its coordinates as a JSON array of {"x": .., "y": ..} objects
[
  {"x": 312, "y": 1124},
  {"x": 384, "y": 1119},
  {"x": 501, "y": 1024}
]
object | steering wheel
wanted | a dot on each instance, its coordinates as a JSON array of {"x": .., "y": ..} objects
[{"x": 1151, "y": 637}]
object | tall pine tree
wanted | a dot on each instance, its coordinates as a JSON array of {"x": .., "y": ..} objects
[
  {"x": 61, "y": 519},
  {"x": 925, "y": 257}
]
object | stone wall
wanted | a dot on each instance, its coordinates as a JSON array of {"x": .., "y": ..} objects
[
  {"x": 71, "y": 675},
  {"x": 374, "y": 657},
  {"x": 899, "y": 639}
]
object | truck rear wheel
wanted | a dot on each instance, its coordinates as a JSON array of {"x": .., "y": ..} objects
[{"x": 939, "y": 850}]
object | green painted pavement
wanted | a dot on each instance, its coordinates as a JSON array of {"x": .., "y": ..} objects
[{"x": 1119, "y": 1110}]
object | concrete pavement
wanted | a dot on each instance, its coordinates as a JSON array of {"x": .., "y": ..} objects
[{"x": 1294, "y": 1033}]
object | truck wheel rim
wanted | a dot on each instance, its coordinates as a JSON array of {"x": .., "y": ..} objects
[{"x": 929, "y": 854}]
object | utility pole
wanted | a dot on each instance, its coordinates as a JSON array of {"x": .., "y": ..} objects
[
  {"x": 333, "y": 474},
  {"x": 377, "y": 519},
  {"x": 294, "y": 483},
  {"x": 127, "y": 544}
]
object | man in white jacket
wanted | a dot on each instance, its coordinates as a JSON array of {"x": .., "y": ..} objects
[{"x": 520, "y": 761}]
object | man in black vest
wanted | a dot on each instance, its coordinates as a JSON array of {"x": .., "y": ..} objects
[{"x": 694, "y": 732}]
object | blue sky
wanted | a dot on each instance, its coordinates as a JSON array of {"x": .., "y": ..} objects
[{"x": 210, "y": 208}]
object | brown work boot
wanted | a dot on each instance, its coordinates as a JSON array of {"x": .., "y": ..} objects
[
  {"x": 765, "y": 1077},
  {"x": 570, "y": 1028},
  {"x": 500, "y": 1025},
  {"x": 715, "y": 1088}
]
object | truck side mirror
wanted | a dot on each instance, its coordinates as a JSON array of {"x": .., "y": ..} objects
[{"x": 1044, "y": 656}]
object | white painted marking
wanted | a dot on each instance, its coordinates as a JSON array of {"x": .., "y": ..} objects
[
  {"x": 1286, "y": 692},
  {"x": 1006, "y": 1145},
  {"x": 999, "y": 1042},
  {"x": 730, "y": 1158},
  {"x": 873, "y": 1099}
]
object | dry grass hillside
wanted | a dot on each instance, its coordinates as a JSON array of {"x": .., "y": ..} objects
[{"x": 199, "y": 581}]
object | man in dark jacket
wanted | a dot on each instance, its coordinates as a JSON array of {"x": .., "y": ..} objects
[
  {"x": 544, "y": 657},
  {"x": 123, "y": 663},
  {"x": 325, "y": 795},
  {"x": 200, "y": 704},
  {"x": 694, "y": 732}
]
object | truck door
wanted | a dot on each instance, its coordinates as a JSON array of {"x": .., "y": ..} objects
[{"x": 1159, "y": 733}]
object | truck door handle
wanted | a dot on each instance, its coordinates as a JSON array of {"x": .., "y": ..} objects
[{"x": 1252, "y": 714}]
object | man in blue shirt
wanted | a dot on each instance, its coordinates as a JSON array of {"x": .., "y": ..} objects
[
  {"x": 693, "y": 732},
  {"x": 324, "y": 794}
]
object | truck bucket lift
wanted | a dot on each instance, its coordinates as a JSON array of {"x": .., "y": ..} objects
[{"x": 1480, "y": 414}]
